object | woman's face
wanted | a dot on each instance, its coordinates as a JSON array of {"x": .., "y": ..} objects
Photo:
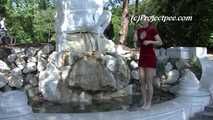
[{"x": 145, "y": 23}]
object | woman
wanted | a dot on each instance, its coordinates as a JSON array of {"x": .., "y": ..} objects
[{"x": 147, "y": 36}]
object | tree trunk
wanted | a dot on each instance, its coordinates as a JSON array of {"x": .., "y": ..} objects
[
  {"x": 136, "y": 13},
  {"x": 124, "y": 24},
  {"x": 136, "y": 7}
]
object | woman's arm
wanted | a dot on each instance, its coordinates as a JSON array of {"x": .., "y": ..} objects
[
  {"x": 135, "y": 39},
  {"x": 157, "y": 42}
]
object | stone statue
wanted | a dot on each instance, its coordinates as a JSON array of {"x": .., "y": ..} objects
[
  {"x": 84, "y": 57},
  {"x": 80, "y": 22}
]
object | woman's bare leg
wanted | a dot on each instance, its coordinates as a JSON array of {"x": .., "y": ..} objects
[
  {"x": 149, "y": 76},
  {"x": 143, "y": 85}
]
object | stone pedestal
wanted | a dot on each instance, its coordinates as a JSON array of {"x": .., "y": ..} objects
[{"x": 190, "y": 95}]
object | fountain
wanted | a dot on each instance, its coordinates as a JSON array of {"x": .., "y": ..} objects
[
  {"x": 84, "y": 60},
  {"x": 87, "y": 66}
]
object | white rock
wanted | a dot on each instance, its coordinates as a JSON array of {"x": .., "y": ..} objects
[
  {"x": 110, "y": 62},
  {"x": 30, "y": 67},
  {"x": 31, "y": 79},
  {"x": 12, "y": 58},
  {"x": 59, "y": 59},
  {"x": 89, "y": 74},
  {"x": 168, "y": 67},
  {"x": 21, "y": 54},
  {"x": 41, "y": 54},
  {"x": 3, "y": 81},
  {"x": 52, "y": 57},
  {"x": 109, "y": 46},
  {"x": 31, "y": 51},
  {"x": 41, "y": 65},
  {"x": 47, "y": 49},
  {"x": 124, "y": 51},
  {"x": 16, "y": 71},
  {"x": 136, "y": 55},
  {"x": 20, "y": 62},
  {"x": 65, "y": 72},
  {"x": 85, "y": 98},
  {"x": 133, "y": 64},
  {"x": 32, "y": 59},
  {"x": 15, "y": 78},
  {"x": 48, "y": 82},
  {"x": 3, "y": 66},
  {"x": 120, "y": 50},
  {"x": 135, "y": 74},
  {"x": 122, "y": 74},
  {"x": 16, "y": 50}
]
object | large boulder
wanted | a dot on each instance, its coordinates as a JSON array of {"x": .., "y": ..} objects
[
  {"x": 4, "y": 67},
  {"x": 3, "y": 81},
  {"x": 89, "y": 74},
  {"x": 15, "y": 78},
  {"x": 48, "y": 82},
  {"x": 30, "y": 67}
]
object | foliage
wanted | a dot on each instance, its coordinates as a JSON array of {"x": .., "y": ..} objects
[
  {"x": 30, "y": 21},
  {"x": 194, "y": 33},
  {"x": 2, "y": 7}
]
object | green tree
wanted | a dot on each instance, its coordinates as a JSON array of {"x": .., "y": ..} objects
[
  {"x": 194, "y": 33},
  {"x": 30, "y": 21}
]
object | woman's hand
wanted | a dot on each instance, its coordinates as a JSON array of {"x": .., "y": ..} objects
[
  {"x": 147, "y": 42},
  {"x": 157, "y": 42}
]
